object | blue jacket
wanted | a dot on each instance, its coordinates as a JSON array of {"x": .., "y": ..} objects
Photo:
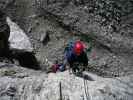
[{"x": 72, "y": 57}]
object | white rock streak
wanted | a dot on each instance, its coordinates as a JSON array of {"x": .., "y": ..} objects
[{"x": 18, "y": 39}]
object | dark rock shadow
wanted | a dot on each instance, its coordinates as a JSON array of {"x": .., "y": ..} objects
[
  {"x": 25, "y": 59},
  {"x": 85, "y": 76},
  {"x": 46, "y": 39}
]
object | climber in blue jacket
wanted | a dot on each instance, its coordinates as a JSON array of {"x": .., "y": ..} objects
[{"x": 75, "y": 53}]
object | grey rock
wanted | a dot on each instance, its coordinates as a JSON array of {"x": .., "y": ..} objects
[
  {"x": 5, "y": 98},
  {"x": 18, "y": 39},
  {"x": 108, "y": 24},
  {"x": 41, "y": 86},
  {"x": 97, "y": 20},
  {"x": 45, "y": 38}
]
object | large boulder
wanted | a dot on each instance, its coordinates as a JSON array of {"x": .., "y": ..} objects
[{"x": 21, "y": 48}]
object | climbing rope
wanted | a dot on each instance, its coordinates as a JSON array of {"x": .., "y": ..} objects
[
  {"x": 86, "y": 89},
  {"x": 60, "y": 88}
]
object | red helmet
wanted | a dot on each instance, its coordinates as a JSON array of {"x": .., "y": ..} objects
[{"x": 78, "y": 47}]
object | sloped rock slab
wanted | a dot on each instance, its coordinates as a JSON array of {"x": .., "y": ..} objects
[
  {"x": 64, "y": 86},
  {"x": 18, "y": 39}
]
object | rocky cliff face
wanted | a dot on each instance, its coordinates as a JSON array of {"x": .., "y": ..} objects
[
  {"x": 106, "y": 24},
  {"x": 50, "y": 24}
]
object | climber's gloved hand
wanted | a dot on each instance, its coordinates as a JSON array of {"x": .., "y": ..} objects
[{"x": 62, "y": 67}]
